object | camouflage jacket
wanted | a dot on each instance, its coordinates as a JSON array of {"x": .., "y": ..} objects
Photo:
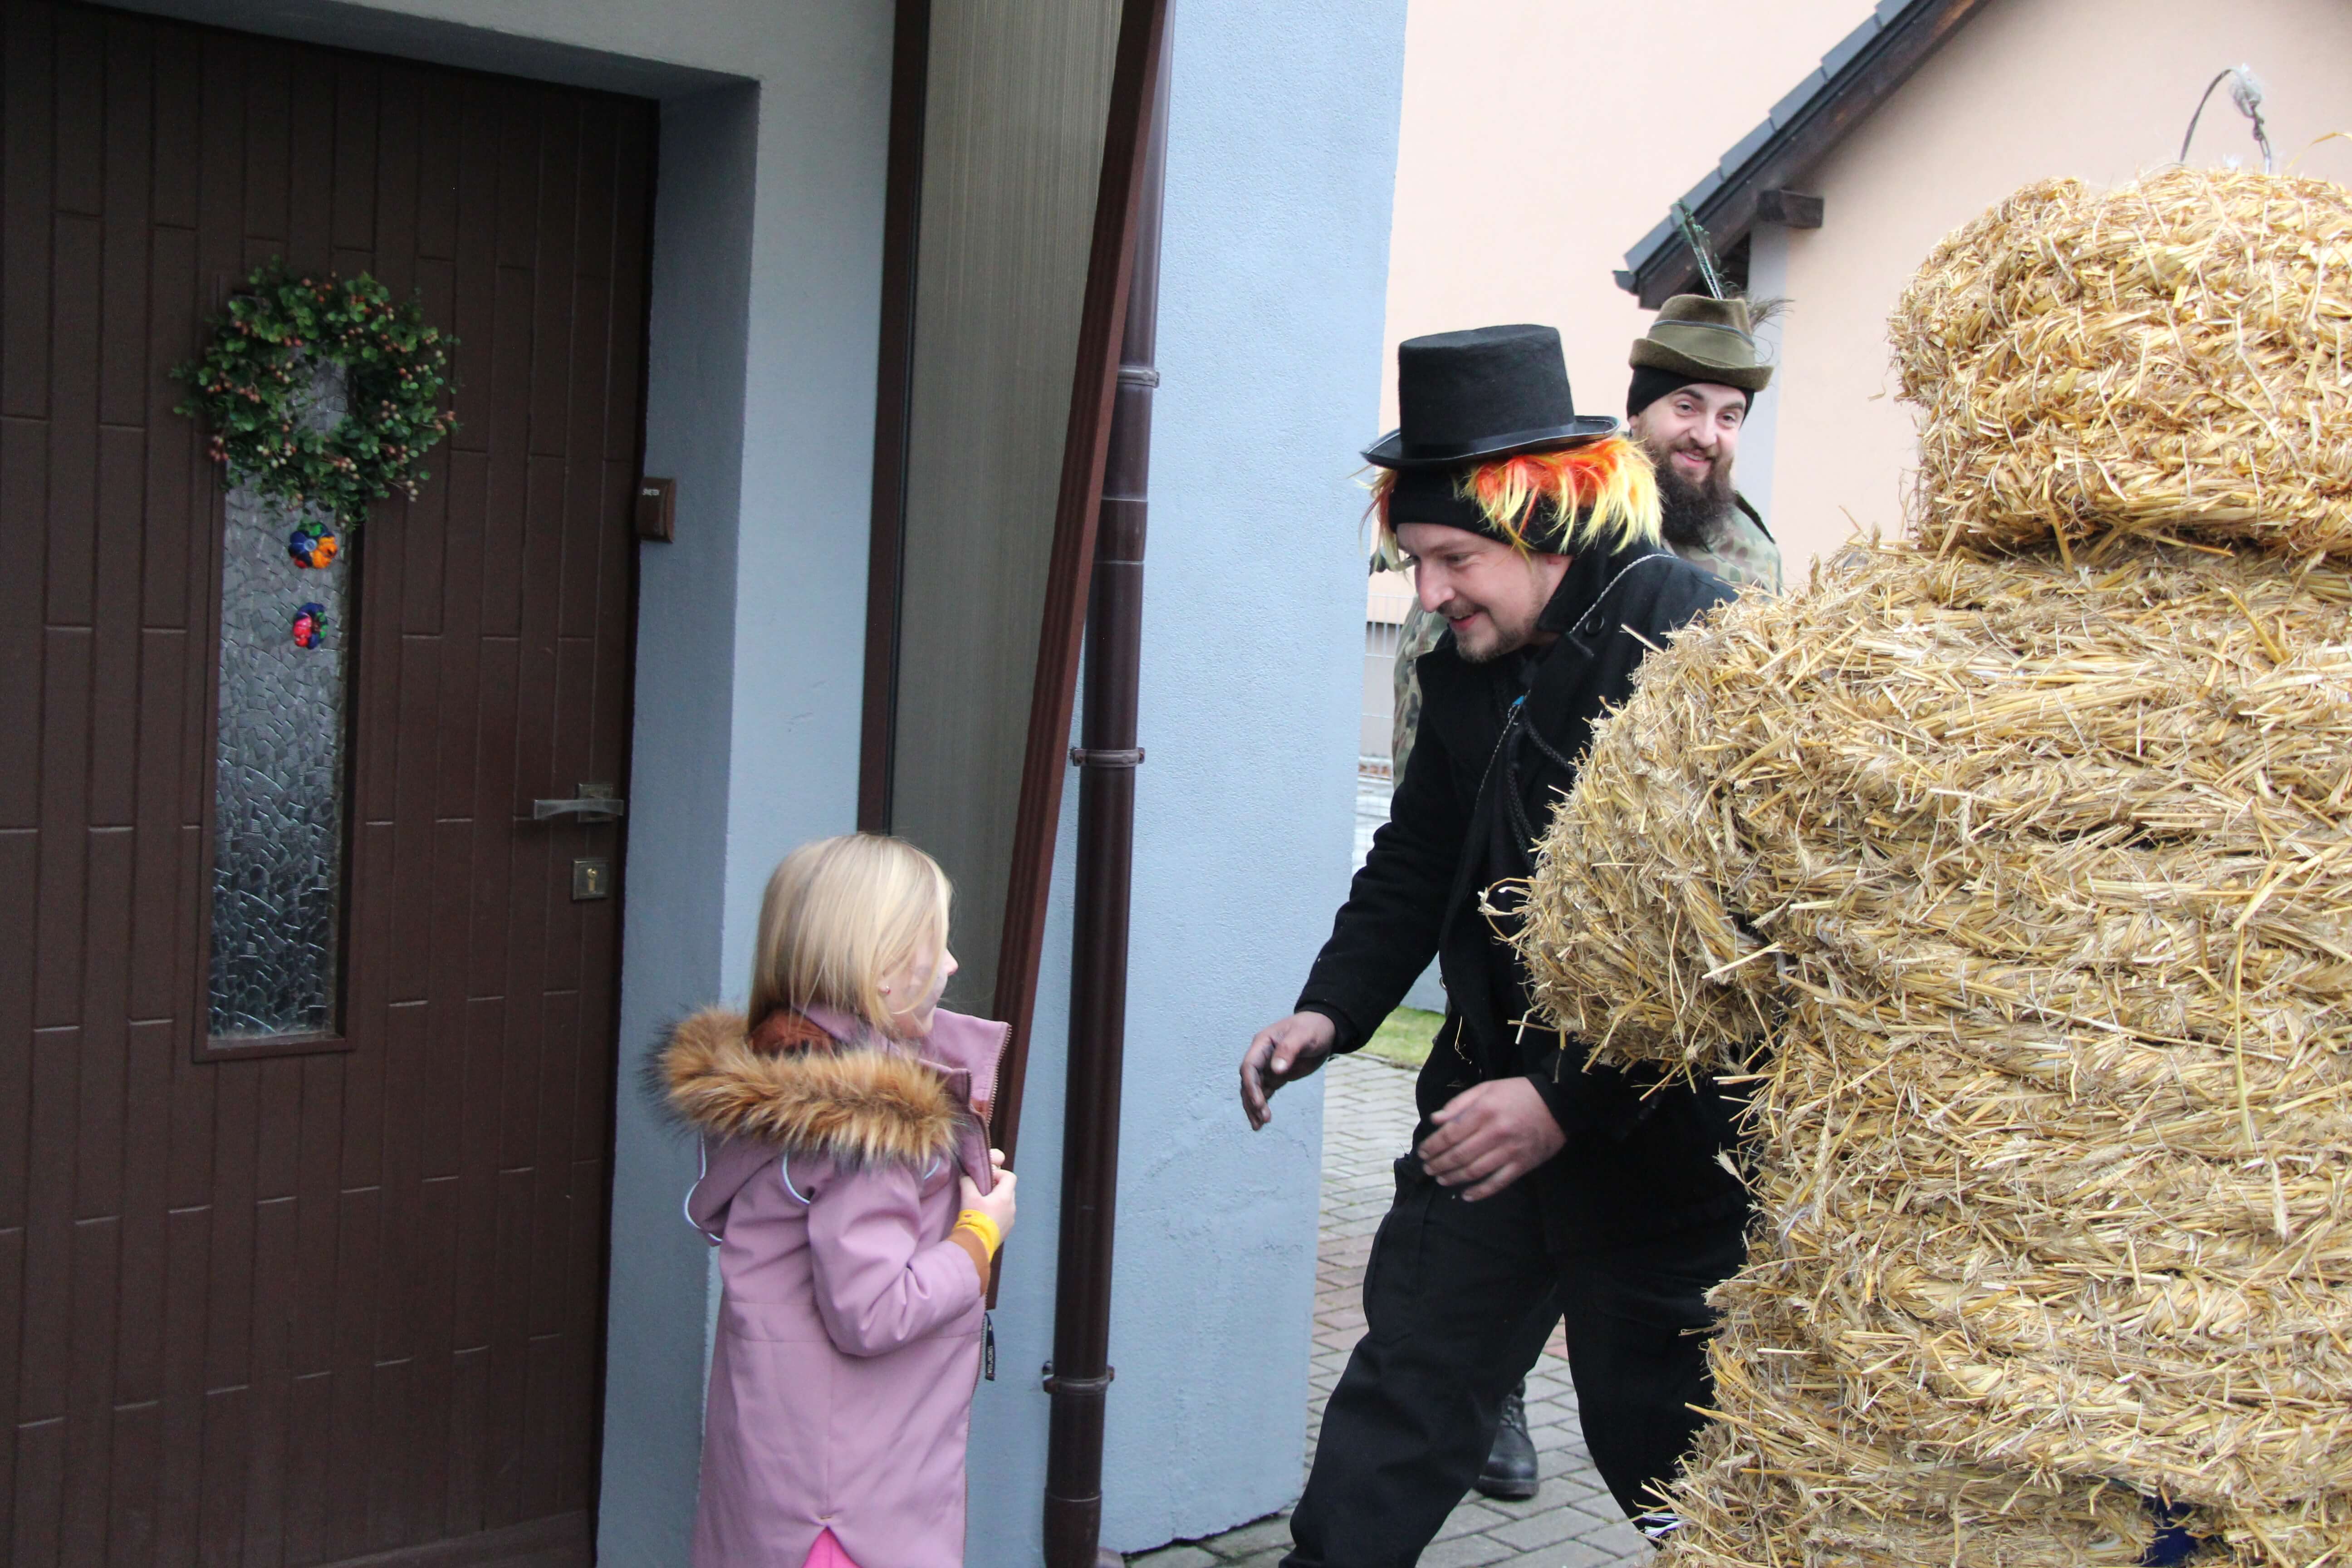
[{"x": 1742, "y": 552}]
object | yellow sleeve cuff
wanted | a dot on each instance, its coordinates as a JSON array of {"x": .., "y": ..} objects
[{"x": 980, "y": 1225}]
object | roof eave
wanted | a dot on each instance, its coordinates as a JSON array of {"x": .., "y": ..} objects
[{"x": 1857, "y": 76}]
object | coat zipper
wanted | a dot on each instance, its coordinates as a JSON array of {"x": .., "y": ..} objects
[
  {"x": 996, "y": 1066},
  {"x": 987, "y": 1317}
]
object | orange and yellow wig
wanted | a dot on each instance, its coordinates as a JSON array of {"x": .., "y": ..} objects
[{"x": 1603, "y": 493}]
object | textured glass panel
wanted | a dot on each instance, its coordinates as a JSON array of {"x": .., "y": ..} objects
[{"x": 277, "y": 806}]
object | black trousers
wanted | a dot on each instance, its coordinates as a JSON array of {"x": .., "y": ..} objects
[{"x": 1458, "y": 1301}]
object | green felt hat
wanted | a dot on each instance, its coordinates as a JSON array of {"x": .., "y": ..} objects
[{"x": 1702, "y": 339}]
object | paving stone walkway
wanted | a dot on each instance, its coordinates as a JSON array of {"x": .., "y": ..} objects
[{"x": 1368, "y": 1118}]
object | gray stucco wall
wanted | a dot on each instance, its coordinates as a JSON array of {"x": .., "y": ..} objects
[
  {"x": 679, "y": 789},
  {"x": 1282, "y": 163},
  {"x": 1282, "y": 159},
  {"x": 767, "y": 264}
]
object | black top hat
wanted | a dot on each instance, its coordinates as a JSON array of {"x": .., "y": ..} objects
[{"x": 1485, "y": 392}]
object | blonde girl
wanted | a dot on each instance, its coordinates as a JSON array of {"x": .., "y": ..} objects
[{"x": 857, "y": 1207}]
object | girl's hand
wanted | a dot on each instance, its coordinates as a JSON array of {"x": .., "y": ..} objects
[{"x": 998, "y": 1205}]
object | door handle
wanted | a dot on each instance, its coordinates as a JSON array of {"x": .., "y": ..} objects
[{"x": 594, "y": 802}]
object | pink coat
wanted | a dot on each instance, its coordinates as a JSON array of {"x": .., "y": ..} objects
[{"x": 849, "y": 1330}]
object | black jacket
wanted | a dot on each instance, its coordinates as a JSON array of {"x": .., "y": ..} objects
[{"x": 1477, "y": 793}]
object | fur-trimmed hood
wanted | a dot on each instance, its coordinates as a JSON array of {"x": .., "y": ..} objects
[{"x": 856, "y": 1104}]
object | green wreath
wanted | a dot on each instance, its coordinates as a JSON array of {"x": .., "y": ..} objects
[{"x": 252, "y": 385}]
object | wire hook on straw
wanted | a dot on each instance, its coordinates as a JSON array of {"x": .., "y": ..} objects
[{"x": 2246, "y": 92}]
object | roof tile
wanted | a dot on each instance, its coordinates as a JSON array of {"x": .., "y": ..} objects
[
  {"x": 1786, "y": 111},
  {"x": 1649, "y": 242},
  {"x": 1746, "y": 147},
  {"x": 1842, "y": 54},
  {"x": 1884, "y": 15},
  {"x": 1708, "y": 185}
]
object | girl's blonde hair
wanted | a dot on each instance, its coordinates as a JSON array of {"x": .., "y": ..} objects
[{"x": 841, "y": 916}]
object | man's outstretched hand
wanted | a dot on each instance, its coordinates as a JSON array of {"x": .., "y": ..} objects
[
  {"x": 1286, "y": 1050},
  {"x": 1490, "y": 1134}
]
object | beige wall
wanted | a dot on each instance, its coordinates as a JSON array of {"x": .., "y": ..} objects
[
  {"x": 2031, "y": 88},
  {"x": 1541, "y": 138}
]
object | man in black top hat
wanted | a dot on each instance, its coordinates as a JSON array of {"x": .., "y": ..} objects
[
  {"x": 1696, "y": 373},
  {"x": 1538, "y": 1188}
]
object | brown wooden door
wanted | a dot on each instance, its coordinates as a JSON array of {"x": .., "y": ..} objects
[{"x": 343, "y": 1300}]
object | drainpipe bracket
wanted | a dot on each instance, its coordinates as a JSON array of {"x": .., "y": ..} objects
[
  {"x": 1078, "y": 1385},
  {"x": 1130, "y": 757}
]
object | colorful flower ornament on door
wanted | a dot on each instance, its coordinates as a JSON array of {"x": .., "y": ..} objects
[
  {"x": 311, "y": 546},
  {"x": 309, "y": 625},
  {"x": 251, "y": 386}
]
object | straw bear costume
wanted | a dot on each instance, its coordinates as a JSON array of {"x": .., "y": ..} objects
[{"x": 2012, "y": 869}]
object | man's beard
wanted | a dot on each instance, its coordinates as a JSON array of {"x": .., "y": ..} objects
[
  {"x": 1486, "y": 654},
  {"x": 1501, "y": 640},
  {"x": 1691, "y": 509}
]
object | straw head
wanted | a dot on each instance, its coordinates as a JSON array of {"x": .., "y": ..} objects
[{"x": 2165, "y": 359}]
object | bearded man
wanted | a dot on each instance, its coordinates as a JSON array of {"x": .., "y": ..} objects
[
  {"x": 1538, "y": 1191},
  {"x": 1695, "y": 377}
]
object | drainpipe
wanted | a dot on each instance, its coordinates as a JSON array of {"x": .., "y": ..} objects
[{"x": 1107, "y": 757}]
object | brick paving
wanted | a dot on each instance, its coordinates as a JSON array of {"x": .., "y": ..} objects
[{"x": 1368, "y": 1118}]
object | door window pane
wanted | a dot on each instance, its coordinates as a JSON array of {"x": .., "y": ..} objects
[{"x": 277, "y": 797}]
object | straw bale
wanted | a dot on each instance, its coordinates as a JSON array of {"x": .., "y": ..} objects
[
  {"x": 1798, "y": 1471},
  {"x": 2166, "y": 358},
  {"x": 1797, "y": 1474},
  {"x": 2019, "y": 892}
]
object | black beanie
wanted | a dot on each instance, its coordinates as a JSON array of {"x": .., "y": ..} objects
[{"x": 1652, "y": 382}]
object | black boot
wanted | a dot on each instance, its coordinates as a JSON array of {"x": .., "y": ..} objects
[{"x": 1510, "y": 1468}]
